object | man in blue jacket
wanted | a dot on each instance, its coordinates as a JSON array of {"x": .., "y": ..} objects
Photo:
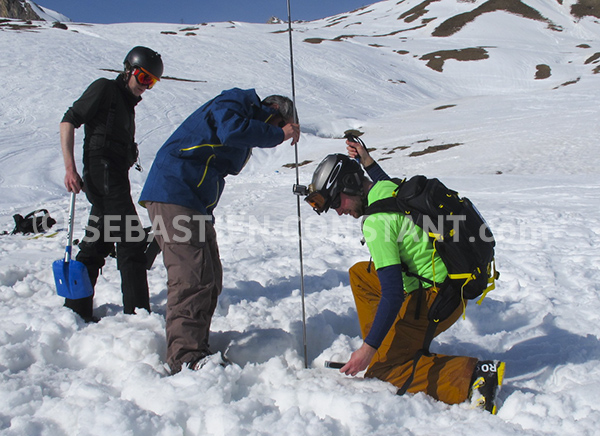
[{"x": 182, "y": 190}]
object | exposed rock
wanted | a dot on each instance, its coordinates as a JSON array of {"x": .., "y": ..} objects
[
  {"x": 59, "y": 25},
  {"x": 543, "y": 71},
  {"x": 19, "y": 9},
  {"x": 416, "y": 12},
  {"x": 592, "y": 59},
  {"x": 434, "y": 149},
  {"x": 586, "y": 7},
  {"x": 436, "y": 59},
  {"x": 454, "y": 24}
]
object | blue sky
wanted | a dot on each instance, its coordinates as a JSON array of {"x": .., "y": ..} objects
[{"x": 197, "y": 11}]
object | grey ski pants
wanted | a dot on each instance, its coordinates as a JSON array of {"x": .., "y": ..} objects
[{"x": 194, "y": 279}]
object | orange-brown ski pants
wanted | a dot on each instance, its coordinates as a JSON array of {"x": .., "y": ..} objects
[{"x": 445, "y": 378}]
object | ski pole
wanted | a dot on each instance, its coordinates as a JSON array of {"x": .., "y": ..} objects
[{"x": 298, "y": 197}]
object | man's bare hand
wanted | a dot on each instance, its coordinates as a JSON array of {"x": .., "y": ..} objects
[
  {"x": 291, "y": 131},
  {"x": 359, "y": 361},
  {"x": 73, "y": 182},
  {"x": 357, "y": 150}
]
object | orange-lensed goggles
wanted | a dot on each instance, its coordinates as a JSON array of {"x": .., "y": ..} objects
[
  {"x": 320, "y": 203},
  {"x": 143, "y": 77}
]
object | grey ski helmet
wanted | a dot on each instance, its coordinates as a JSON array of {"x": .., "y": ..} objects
[
  {"x": 337, "y": 173},
  {"x": 145, "y": 58}
]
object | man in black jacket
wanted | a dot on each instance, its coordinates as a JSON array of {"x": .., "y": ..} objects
[{"x": 107, "y": 110}]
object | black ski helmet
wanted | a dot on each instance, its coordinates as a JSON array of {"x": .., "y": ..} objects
[
  {"x": 145, "y": 58},
  {"x": 337, "y": 173}
]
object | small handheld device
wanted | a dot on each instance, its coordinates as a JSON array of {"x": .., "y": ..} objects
[{"x": 334, "y": 365}]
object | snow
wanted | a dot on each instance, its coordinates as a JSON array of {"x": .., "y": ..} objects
[{"x": 527, "y": 159}]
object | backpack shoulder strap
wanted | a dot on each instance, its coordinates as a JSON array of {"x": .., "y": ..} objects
[
  {"x": 389, "y": 204},
  {"x": 381, "y": 206}
]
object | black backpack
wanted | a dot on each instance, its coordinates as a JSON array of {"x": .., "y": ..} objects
[
  {"x": 38, "y": 221},
  {"x": 459, "y": 234}
]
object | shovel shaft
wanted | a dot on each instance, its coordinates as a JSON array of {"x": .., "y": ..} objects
[
  {"x": 70, "y": 229},
  {"x": 70, "y": 276}
]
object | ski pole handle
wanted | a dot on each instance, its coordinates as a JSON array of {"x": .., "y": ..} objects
[
  {"x": 353, "y": 136},
  {"x": 357, "y": 158}
]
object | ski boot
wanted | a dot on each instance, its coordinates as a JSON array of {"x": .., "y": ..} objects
[{"x": 487, "y": 380}]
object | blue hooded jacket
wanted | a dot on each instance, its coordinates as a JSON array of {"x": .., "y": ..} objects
[{"x": 216, "y": 140}]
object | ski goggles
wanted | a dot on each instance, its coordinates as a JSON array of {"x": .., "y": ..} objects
[
  {"x": 321, "y": 204},
  {"x": 143, "y": 77}
]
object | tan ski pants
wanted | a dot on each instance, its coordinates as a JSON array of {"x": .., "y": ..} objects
[
  {"x": 445, "y": 378},
  {"x": 194, "y": 279}
]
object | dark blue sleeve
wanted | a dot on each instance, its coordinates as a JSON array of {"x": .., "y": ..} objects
[
  {"x": 233, "y": 117},
  {"x": 392, "y": 297},
  {"x": 376, "y": 173}
]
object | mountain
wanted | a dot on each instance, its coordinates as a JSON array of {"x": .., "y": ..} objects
[
  {"x": 497, "y": 99},
  {"x": 400, "y": 23},
  {"x": 20, "y": 9},
  {"x": 28, "y": 10}
]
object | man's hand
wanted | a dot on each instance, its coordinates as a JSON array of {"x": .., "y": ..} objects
[
  {"x": 73, "y": 182},
  {"x": 357, "y": 150},
  {"x": 291, "y": 131},
  {"x": 359, "y": 361}
]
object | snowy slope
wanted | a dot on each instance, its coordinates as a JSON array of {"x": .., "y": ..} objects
[{"x": 523, "y": 149}]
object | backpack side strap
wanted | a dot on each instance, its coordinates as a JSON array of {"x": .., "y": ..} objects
[{"x": 429, "y": 335}]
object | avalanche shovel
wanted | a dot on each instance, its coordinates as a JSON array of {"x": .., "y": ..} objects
[{"x": 71, "y": 277}]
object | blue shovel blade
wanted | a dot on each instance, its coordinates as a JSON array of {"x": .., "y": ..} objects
[{"x": 72, "y": 279}]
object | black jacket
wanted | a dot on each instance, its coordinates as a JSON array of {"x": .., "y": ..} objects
[{"x": 107, "y": 109}]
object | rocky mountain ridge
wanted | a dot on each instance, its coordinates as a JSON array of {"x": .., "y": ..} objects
[{"x": 19, "y": 9}]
